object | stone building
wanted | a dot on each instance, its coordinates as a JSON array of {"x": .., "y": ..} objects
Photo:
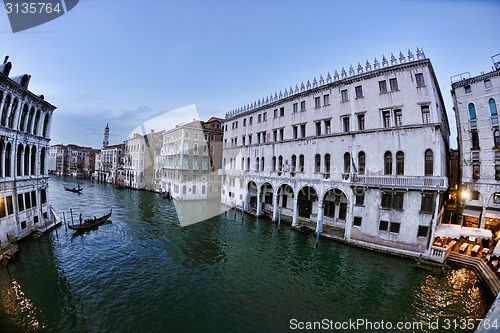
[
  {"x": 109, "y": 161},
  {"x": 24, "y": 144},
  {"x": 476, "y": 108},
  {"x": 364, "y": 151},
  {"x": 191, "y": 157}
]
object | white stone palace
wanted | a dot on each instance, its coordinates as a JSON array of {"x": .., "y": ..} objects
[
  {"x": 475, "y": 102},
  {"x": 24, "y": 144},
  {"x": 364, "y": 152}
]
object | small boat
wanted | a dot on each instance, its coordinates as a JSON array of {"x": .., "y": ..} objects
[
  {"x": 75, "y": 190},
  {"x": 90, "y": 223}
]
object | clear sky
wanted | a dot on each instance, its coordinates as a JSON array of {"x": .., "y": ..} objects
[{"x": 123, "y": 62}]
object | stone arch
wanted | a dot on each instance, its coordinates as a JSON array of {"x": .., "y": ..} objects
[
  {"x": 307, "y": 196},
  {"x": 27, "y": 151},
  {"x": 267, "y": 192},
  {"x": 285, "y": 196},
  {"x": 336, "y": 204},
  {"x": 252, "y": 194}
]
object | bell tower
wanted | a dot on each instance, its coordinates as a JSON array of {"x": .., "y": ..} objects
[{"x": 105, "y": 142}]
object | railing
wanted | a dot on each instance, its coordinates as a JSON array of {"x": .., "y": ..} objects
[
  {"x": 401, "y": 181},
  {"x": 440, "y": 254}
]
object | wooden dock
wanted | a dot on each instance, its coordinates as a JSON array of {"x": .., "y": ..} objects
[{"x": 478, "y": 265}]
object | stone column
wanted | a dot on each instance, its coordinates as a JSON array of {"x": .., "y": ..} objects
[
  {"x": 295, "y": 216},
  {"x": 275, "y": 207},
  {"x": 2, "y": 173},
  {"x": 482, "y": 220},
  {"x": 319, "y": 223},
  {"x": 21, "y": 162},
  {"x": 259, "y": 203}
]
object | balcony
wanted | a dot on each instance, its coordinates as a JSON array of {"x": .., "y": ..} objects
[{"x": 404, "y": 182}]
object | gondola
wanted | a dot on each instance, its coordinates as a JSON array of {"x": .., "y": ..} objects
[
  {"x": 75, "y": 190},
  {"x": 90, "y": 223}
]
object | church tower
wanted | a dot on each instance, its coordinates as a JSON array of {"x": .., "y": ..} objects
[{"x": 105, "y": 142}]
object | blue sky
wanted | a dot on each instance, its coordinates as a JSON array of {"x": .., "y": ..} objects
[{"x": 124, "y": 62}]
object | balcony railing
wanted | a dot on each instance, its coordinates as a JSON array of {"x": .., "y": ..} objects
[
  {"x": 440, "y": 254},
  {"x": 402, "y": 181}
]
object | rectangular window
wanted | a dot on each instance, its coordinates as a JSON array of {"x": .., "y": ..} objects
[
  {"x": 346, "y": 124},
  {"x": 427, "y": 203},
  {"x": 318, "y": 128},
  {"x": 398, "y": 115},
  {"x": 249, "y": 139},
  {"x": 295, "y": 107},
  {"x": 327, "y": 127},
  {"x": 360, "y": 198},
  {"x": 487, "y": 84},
  {"x": 422, "y": 231},
  {"x": 382, "y": 85},
  {"x": 27, "y": 200},
  {"x": 303, "y": 130},
  {"x": 33, "y": 199},
  {"x": 20, "y": 202},
  {"x": 317, "y": 102},
  {"x": 497, "y": 171},
  {"x": 419, "y": 77},
  {"x": 386, "y": 200},
  {"x": 386, "y": 118},
  {"x": 496, "y": 198},
  {"x": 275, "y": 135},
  {"x": 2, "y": 208},
  {"x": 243, "y": 141},
  {"x": 244, "y": 122},
  {"x": 275, "y": 113},
  {"x": 344, "y": 97},
  {"x": 394, "y": 84},
  {"x": 397, "y": 200},
  {"x": 383, "y": 225},
  {"x": 359, "y": 91},
  {"x": 361, "y": 122},
  {"x": 326, "y": 100},
  {"x": 10, "y": 207},
  {"x": 23, "y": 225},
  {"x": 259, "y": 118},
  {"x": 282, "y": 111},
  {"x": 282, "y": 134},
  {"x": 426, "y": 114},
  {"x": 476, "y": 171},
  {"x": 357, "y": 221},
  {"x": 295, "y": 134},
  {"x": 394, "y": 228},
  {"x": 250, "y": 121},
  {"x": 264, "y": 117},
  {"x": 467, "y": 89},
  {"x": 303, "y": 106}
]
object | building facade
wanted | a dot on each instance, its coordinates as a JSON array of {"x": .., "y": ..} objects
[
  {"x": 476, "y": 108},
  {"x": 364, "y": 152},
  {"x": 24, "y": 145},
  {"x": 191, "y": 158}
]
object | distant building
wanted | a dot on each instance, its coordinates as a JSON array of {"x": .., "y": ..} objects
[
  {"x": 109, "y": 160},
  {"x": 364, "y": 152},
  {"x": 71, "y": 160},
  {"x": 24, "y": 145},
  {"x": 476, "y": 108},
  {"x": 190, "y": 158}
]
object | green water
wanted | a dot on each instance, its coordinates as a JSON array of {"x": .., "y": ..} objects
[{"x": 143, "y": 272}]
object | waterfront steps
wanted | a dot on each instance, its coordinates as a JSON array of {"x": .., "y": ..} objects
[{"x": 485, "y": 273}]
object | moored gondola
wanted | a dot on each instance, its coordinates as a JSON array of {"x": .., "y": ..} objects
[
  {"x": 73, "y": 189},
  {"x": 90, "y": 223}
]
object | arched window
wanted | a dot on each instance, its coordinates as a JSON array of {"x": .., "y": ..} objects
[
  {"x": 12, "y": 115},
  {"x": 1, "y": 151},
  {"x": 3, "y": 120},
  {"x": 203, "y": 189},
  {"x": 280, "y": 165},
  {"x": 33, "y": 161},
  {"x": 224, "y": 162},
  {"x": 361, "y": 162},
  {"x": 429, "y": 163},
  {"x": 194, "y": 189},
  {"x": 347, "y": 163},
  {"x": 242, "y": 163},
  {"x": 42, "y": 161},
  {"x": 27, "y": 160},
  {"x": 257, "y": 164},
  {"x": 388, "y": 163},
  {"x": 184, "y": 189},
  {"x": 475, "y": 139},
  {"x": 400, "y": 163},
  {"x": 496, "y": 137},
  {"x": 472, "y": 111},
  {"x": 30, "y": 120},
  {"x": 45, "y": 126},
  {"x": 262, "y": 161},
  {"x": 273, "y": 164},
  {"x": 293, "y": 166},
  {"x": 20, "y": 150},
  {"x": 327, "y": 164},
  {"x": 301, "y": 163},
  {"x": 493, "y": 107},
  {"x": 317, "y": 163},
  {"x": 248, "y": 164},
  {"x": 24, "y": 114},
  {"x": 8, "y": 160}
]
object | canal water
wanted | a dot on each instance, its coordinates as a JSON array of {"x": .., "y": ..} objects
[{"x": 143, "y": 272}]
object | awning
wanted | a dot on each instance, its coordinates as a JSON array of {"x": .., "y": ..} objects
[
  {"x": 492, "y": 215},
  {"x": 448, "y": 230},
  {"x": 496, "y": 250},
  {"x": 471, "y": 213},
  {"x": 456, "y": 231},
  {"x": 475, "y": 232}
]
